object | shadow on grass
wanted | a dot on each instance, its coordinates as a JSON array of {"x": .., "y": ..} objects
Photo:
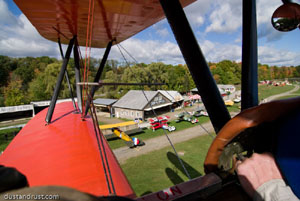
[
  {"x": 146, "y": 193},
  {"x": 173, "y": 176}
]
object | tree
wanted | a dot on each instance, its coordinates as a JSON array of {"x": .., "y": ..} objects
[
  {"x": 264, "y": 72},
  {"x": 111, "y": 91},
  {"x": 179, "y": 78},
  {"x": 228, "y": 72},
  {"x": 6, "y": 66},
  {"x": 14, "y": 94},
  {"x": 43, "y": 85}
]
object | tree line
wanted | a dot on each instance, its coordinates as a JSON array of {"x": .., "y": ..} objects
[{"x": 23, "y": 80}]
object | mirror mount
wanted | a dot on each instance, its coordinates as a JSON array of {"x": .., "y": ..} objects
[{"x": 286, "y": 17}]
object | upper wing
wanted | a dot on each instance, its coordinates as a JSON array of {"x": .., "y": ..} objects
[{"x": 113, "y": 19}]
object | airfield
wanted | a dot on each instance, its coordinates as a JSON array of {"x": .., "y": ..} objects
[
  {"x": 157, "y": 164},
  {"x": 157, "y": 157},
  {"x": 157, "y": 143}
]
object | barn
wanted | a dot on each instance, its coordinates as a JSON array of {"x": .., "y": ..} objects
[{"x": 138, "y": 104}]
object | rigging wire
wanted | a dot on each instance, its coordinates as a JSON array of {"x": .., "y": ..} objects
[
  {"x": 180, "y": 161},
  {"x": 99, "y": 135},
  {"x": 128, "y": 53},
  {"x": 102, "y": 151},
  {"x": 88, "y": 42}
]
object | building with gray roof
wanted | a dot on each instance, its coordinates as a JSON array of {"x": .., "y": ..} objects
[
  {"x": 174, "y": 96},
  {"x": 104, "y": 104},
  {"x": 135, "y": 103}
]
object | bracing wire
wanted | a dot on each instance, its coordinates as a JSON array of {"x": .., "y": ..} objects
[
  {"x": 128, "y": 53},
  {"x": 88, "y": 43},
  {"x": 165, "y": 133},
  {"x": 90, "y": 39},
  {"x": 102, "y": 151}
]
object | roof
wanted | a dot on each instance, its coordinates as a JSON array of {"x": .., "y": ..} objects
[
  {"x": 104, "y": 101},
  {"x": 135, "y": 99},
  {"x": 173, "y": 96},
  {"x": 118, "y": 19}
]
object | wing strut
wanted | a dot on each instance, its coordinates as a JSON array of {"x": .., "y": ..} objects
[
  {"x": 98, "y": 75},
  {"x": 249, "y": 56},
  {"x": 59, "y": 81},
  {"x": 67, "y": 75},
  {"x": 77, "y": 75},
  {"x": 196, "y": 63}
]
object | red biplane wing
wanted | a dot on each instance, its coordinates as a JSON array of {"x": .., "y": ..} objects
[
  {"x": 112, "y": 19},
  {"x": 64, "y": 153}
]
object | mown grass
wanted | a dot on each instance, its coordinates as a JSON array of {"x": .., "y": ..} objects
[
  {"x": 160, "y": 169},
  {"x": 148, "y": 133},
  {"x": 293, "y": 95},
  {"x": 14, "y": 122},
  {"x": 265, "y": 91},
  {"x": 235, "y": 108},
  {"x": 285, "y": 97},
  {"x": 6, "y": 136}
]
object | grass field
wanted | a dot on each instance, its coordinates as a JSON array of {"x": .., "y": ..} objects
[
  {"x": 234, "y": 108},
  {"x": 161, "y": 169},
  {"x": 265, "y": 91},
  {"x": 293, "y": 95},
  {"x": 6, "y": 136},
  {"x": 14, "y": 122}
]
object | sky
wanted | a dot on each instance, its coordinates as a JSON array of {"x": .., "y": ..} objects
[{"x": 217, "y": 26}]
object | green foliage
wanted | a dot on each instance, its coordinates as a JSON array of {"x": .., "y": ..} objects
[
  {"x": 37, "y": 89},
  {"x": 14, "y": 95},
  {"x": 6, "y": 66},
  {"x": 2, "y": 101},
  {"x": 180, "y": 79},
  {"x": 42, "y": 87},
  {"x": 227, "y": 72},
  {"x": 38, "y": 76},
  {"x": 25, "y": 69},
  {"x": 174, "y": 77}
]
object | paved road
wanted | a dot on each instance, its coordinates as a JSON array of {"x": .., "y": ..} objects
[{"x": 270, "y": 98}]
